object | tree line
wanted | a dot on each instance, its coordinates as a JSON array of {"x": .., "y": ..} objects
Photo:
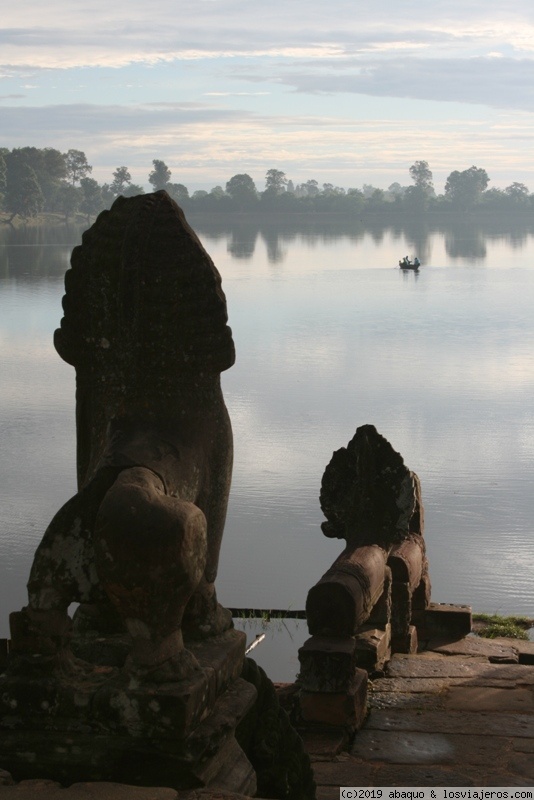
[{"x": 34, "y": 180}]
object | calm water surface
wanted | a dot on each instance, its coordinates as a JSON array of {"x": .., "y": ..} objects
[{"x": 329, "y": 336}]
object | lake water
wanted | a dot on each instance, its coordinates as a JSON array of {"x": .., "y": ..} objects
[{"x": 329, "y": 336}]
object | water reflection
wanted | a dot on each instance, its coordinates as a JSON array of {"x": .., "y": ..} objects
[
  {"x": 463, "y": 238},
  {"x": 33, "y": 252}
]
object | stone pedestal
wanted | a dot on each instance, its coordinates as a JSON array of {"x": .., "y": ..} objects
[
  {"x": 98, "y": 724},
  {"x": 346, "y": 709},
  {"x": 334, "y": 689}
]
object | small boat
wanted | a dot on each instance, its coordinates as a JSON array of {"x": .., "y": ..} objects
[{"x": 405, "y": 263}]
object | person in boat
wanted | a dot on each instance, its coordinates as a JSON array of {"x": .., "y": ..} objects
[
  {"x": 416, "y": 262},
  {"x": 405, "y": 262}
]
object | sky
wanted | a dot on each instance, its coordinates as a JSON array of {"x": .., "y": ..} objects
[{"x": 342, "y": 92}]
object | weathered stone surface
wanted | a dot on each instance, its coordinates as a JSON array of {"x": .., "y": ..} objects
[
  {"x": 414, "y": 775},
  {"x": 348, "y": 708},
  {"x": 488, "y": 698},
  {"x": 327, "y": 793},
  {"x": 327, "y": 664},
  {"x": 406, "y": 561},
  {"x": 343, "y": 772},
  {"x": 411, "y": 748},
  {"x": 342, "y": 600},
  {"x": 50, "y": 790},
  {"x": 476, "y": 646},
  {"x": 443, "y": 619},
  {"x": 407, "y": 643},
  {"x": 275, "y": 750},
  {"x": 410, "y": 685},
  {"x": 474, "y": 669},
  {"x": 466, "y": 721},
  {"x": 380, "y": 615},
  {"x": 524, "y": 649},
  {"x": 522, "y": 765},
  {"x": 145, "y": 327},
  {"x": 401, "y": 609},
  {"x": 417, "y": 701},
  {"x": 368, "y": 495},
  {"x": 373, "y": 647},
  {"x": 421, "y": 595},
  {"x": 428, "y": 748},
  {"x": 324, "y": 743}
]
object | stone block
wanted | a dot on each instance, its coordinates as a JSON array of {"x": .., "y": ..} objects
[
  {"x": 324, "y": 742},
  {"x": 152, "y": 710},
  {"x": 421, "y": 595},
  {"x": 406, "y": 643},
  {"x": 401, "y": 609},
  {"x": 67, "y": 751},
  {"x": 221, "y": 657},
  {"x": 443, "y": 619},
  {"x": 406, "y": 561},
  {"x": 373, "y": 648},
  {"x": 380, "y": 615},
  {"x": 347, "y": 709},
  {"x": 343, "y": 598},
  {"x": 524, "y": 649},
  {"x": 327, "y": 664}
]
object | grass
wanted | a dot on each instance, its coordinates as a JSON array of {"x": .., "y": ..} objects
[{"x": 492, "y": 626}]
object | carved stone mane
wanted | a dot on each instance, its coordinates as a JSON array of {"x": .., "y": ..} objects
[{"x": 144, "y": 316}]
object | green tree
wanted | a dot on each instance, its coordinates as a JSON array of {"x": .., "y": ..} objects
[
  {"x": 422, "y": 176},
  {"x": 518, "y": 194},
  {"x": 68, "y": 199},
  {"x": 77, "y": 165},
  {"x": 160, "y": 175},
  {"x": 355, "y": 200},
  {"x": 178, "y": 192},
  {"x": 275, "y": 181},
  {"x": 108, "y": 196},
  {"x": 242, "y": 189},
  {"x": 23, "y": 195},
  {"x": 464, "y": 189},
  {"x": 121, "y": 179},
  {"x": 48, "y": 165},
  {"x": 132, "y": 190},
  {"x": 91, "y": 202},
  {"x": 3, "y": 174}
]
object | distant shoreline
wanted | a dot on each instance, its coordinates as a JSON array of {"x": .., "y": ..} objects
[{"x": 395, "y": 216}]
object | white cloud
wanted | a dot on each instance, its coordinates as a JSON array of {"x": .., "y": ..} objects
[{"x": 98, "y": 33}]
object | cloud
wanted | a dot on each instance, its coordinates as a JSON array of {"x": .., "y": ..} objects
[
  {"x": 502, "y": 82},
  {"x": 98, "y": 33}
]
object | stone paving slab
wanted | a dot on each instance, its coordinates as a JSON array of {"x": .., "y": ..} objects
[
  {"x": 410, "y": 685},
  {"x": 430, "y": 748},
  {"x": 101, "y": 790},
  {"x": 50, "y": 790},
  {"x": 523, "y": 745},
  {"x": 524, "y": 649},
  {"x": 406, "y": 666},
  {"x": 465, "y": 722},
  {"x": 405, "y": 700},
  {"x": 486, "y": 698},
  {"x": 475, "y": 646}
]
